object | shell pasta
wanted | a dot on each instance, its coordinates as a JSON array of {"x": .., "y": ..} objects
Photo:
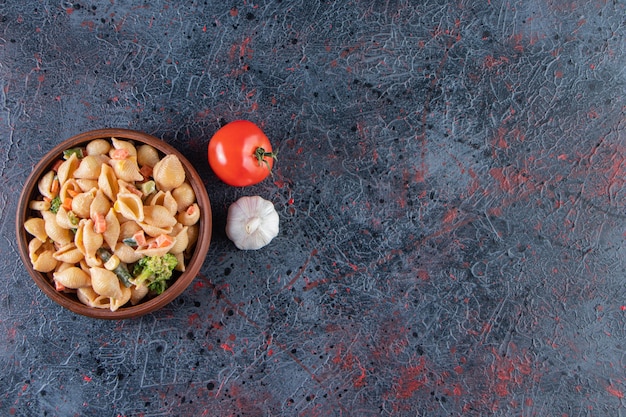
[{"x": 105, "y": 210}]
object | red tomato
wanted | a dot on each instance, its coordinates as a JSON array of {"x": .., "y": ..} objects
[{"x": 240, "y": 154}]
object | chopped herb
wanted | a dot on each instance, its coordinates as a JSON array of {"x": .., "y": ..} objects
[
  {"x": 69, "y": 152},
  {"x": 55, "y": 204}
]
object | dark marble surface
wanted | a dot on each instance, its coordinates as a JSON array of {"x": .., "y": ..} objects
[{"x": 451, "y": 190}]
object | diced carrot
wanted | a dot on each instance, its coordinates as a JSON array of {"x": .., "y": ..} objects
[
  {"x": 146, "y": 171},
  {"x": 99, "y": 223},
  {"x": 160, "y": 241},
  {"x": 140, "y": 238},
  {"x": 119, "y": 154},
  {"x": 58, "y": 286},
  {"x": 47, "y": 199},
  {"x": 191, "y": 209},
  {"x": 54, "y": 188},
  {"x": 72, "y": 193},
  {"x": 57, "y": 164},
  {"x": 67, "y": 203},
  {"x": 163, "y": 240},
  {"x": 134, "y": 190}
]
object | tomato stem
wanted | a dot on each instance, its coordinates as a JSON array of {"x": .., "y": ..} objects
[{"x": 260, "y": 154}]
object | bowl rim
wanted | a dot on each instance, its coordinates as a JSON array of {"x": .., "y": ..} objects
[{"x": 192, "y": 267}]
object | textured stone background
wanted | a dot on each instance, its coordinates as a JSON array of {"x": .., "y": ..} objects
[{"x": 451, "y": 188}]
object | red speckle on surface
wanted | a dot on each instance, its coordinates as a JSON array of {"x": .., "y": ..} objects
[
  {"x": 509, "y": 178},
  {"x": 501, "y": 389},
  {"x": 611, "y": 389},
  {"x": 350, "y": 363},
  {"x": 423, "y": 275},
  {"x": 450, "y": 216},
  {"x": 241, "y": 50},
  {"x": 500, "y": 140},
  {"x": 491, "y": 62},
  {"x": 360, "y": 380},
  {"x": 510, "y": 371},
  {"x": 495, "y": 211},
  {"x": 227, "y": 348},
  {"x": 517, "y": 40},
  {"x": 198, "y": 285},
  {"x": 193, "y": 318},
  {"x": 300, "y": 271},
  {"x": 420, "y": 175},
  {"x": 89, "y": 24},
  {"x": 309, "y": 285},
  {"x": 280, "y": 183},
  {"x": 11, "y": 333},
  {"x": 411, "y": 380},
  {"x": 504, "y": 136}
]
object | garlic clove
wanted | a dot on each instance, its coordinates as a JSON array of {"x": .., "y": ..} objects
[{"x": 252, "y": 223}]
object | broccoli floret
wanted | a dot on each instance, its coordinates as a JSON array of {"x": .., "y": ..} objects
[
  {"x": 55, "y": 204},
  {"x": 155, "y": 271}
]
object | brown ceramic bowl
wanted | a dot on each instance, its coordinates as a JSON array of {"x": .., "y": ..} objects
[{"x": 179, "y": 281}]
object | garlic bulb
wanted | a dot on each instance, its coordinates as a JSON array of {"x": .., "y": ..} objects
[{"x": 252, "y": 223}]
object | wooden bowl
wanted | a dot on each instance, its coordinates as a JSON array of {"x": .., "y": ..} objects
[{"x": 179, "y": 281}]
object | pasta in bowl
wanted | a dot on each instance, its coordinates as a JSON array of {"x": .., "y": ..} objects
[{"x": 113, "y": 224}]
